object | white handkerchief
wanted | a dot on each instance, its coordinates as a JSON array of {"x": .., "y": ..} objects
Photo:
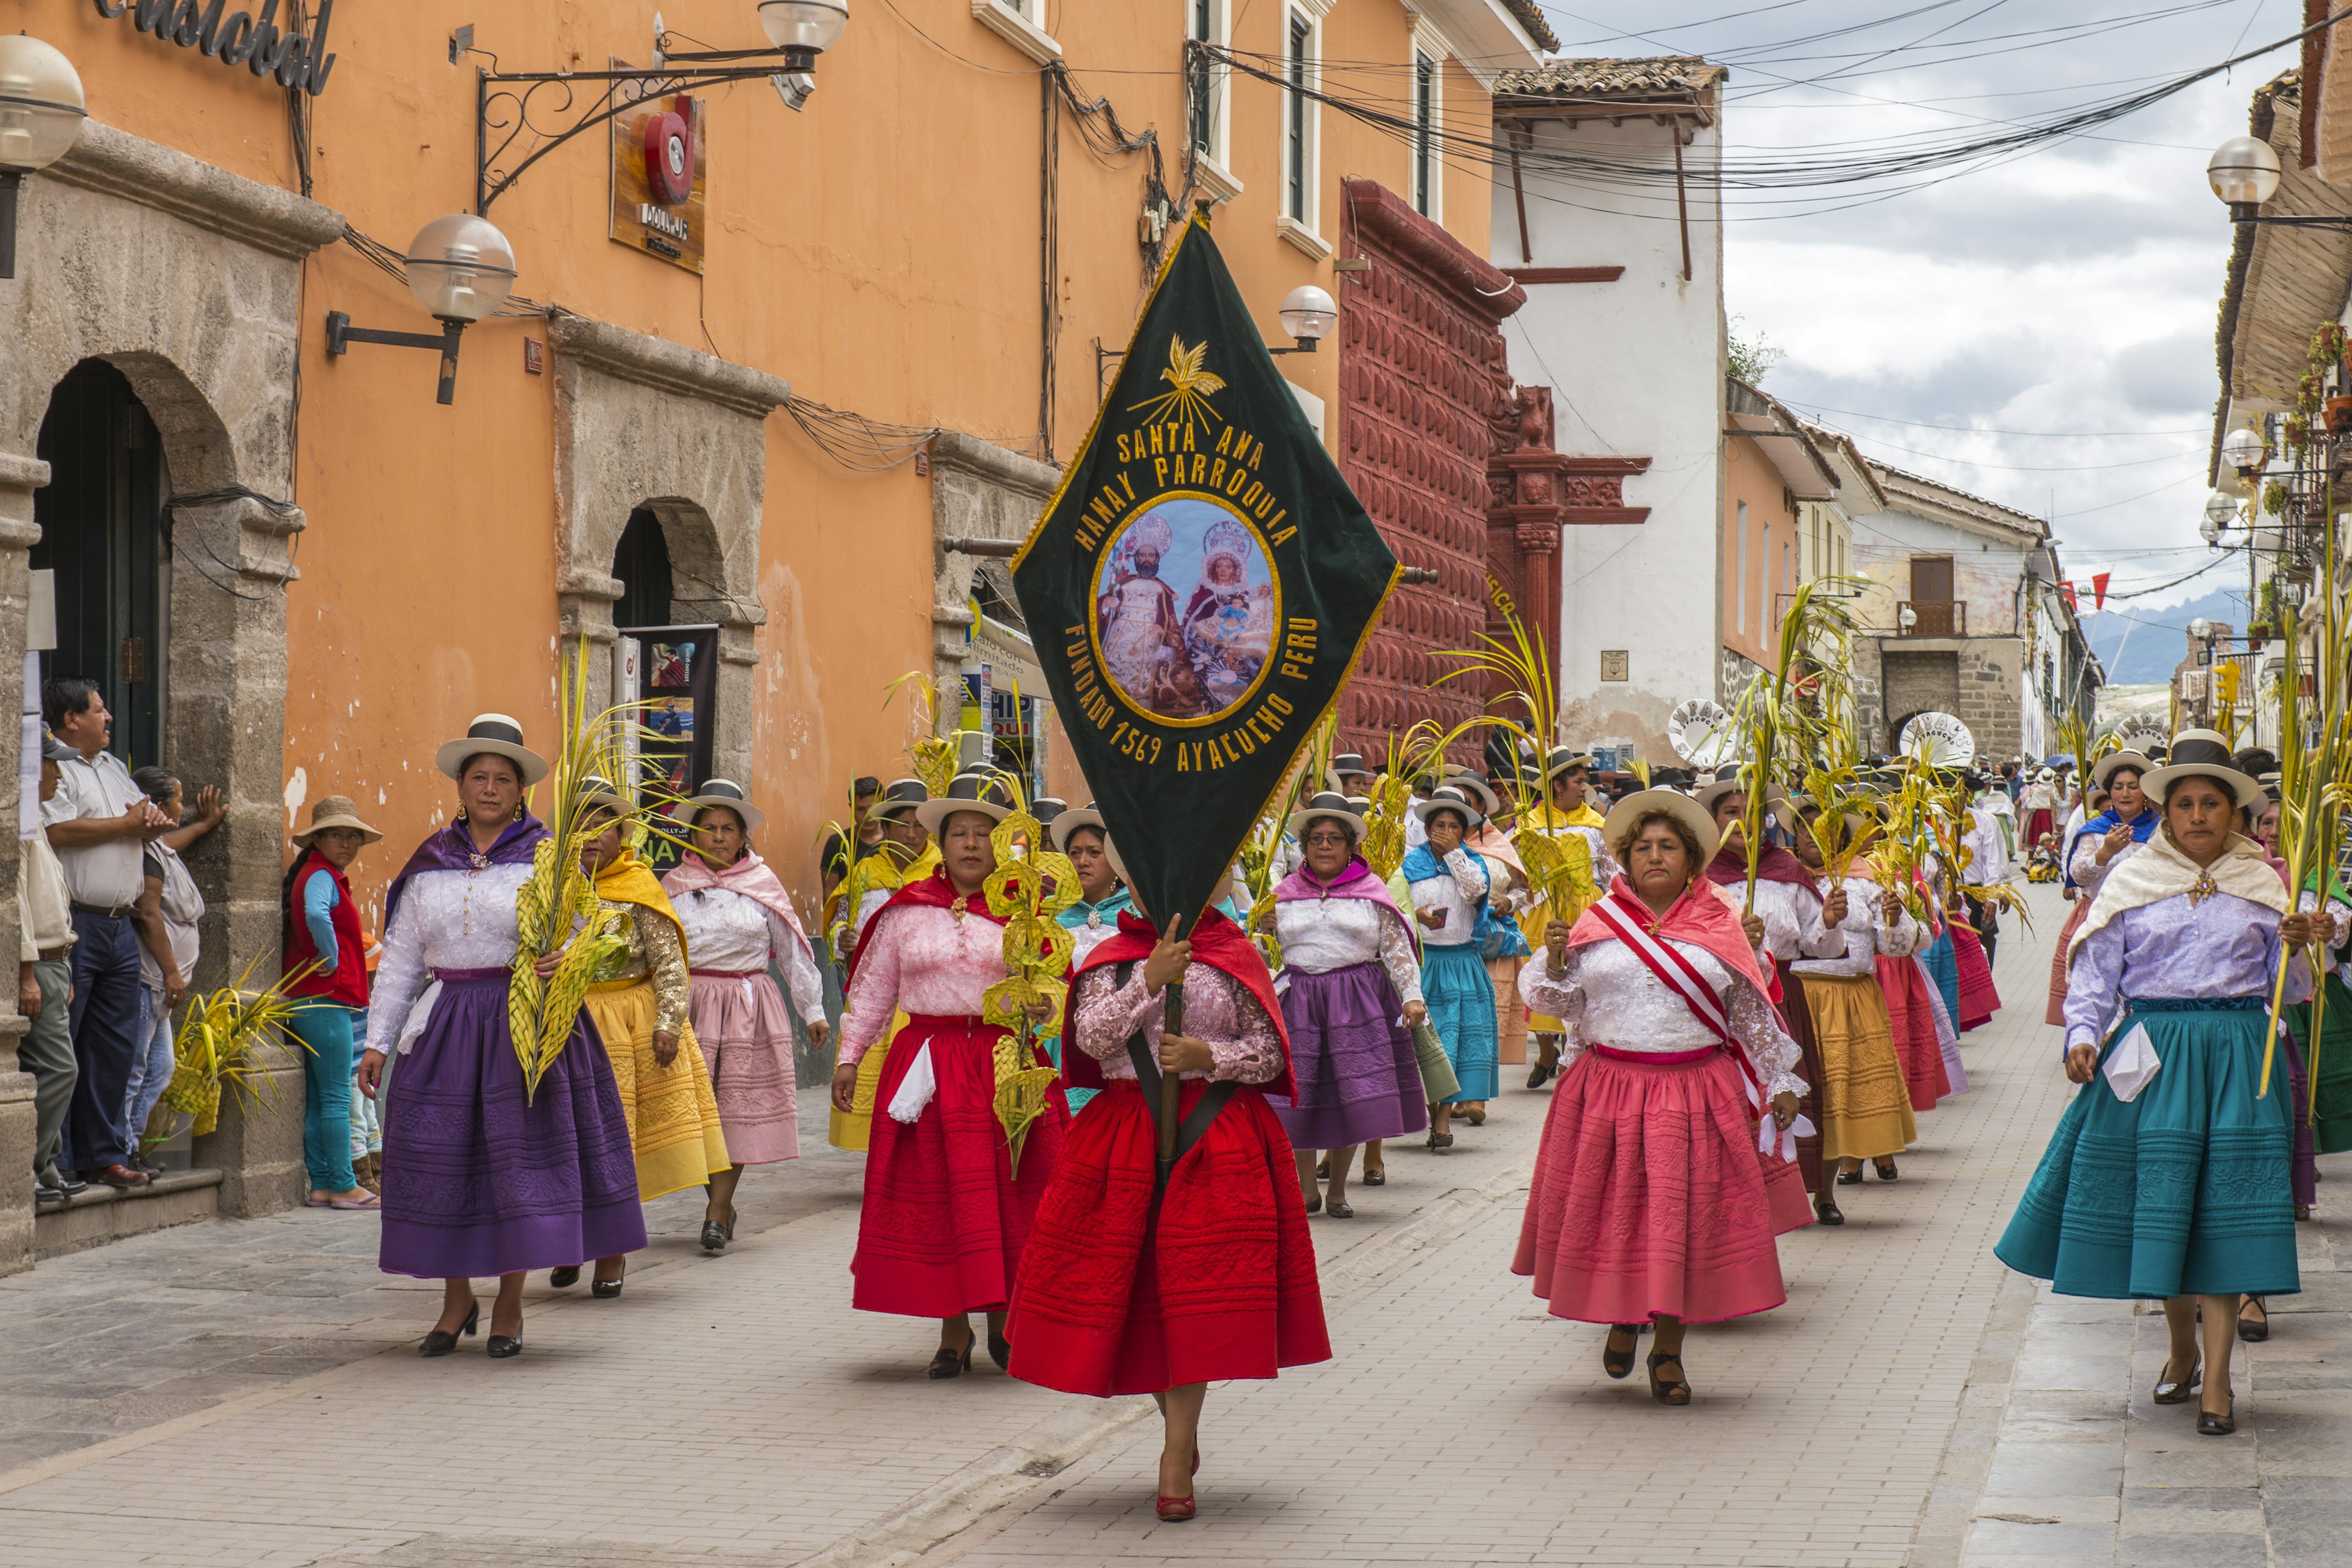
[
  {"x": 916, "y": 1090},
  {"x": 2131, "y": 1064}
]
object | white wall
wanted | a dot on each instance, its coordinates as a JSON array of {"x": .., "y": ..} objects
[{"x": 1636, "y": 369}]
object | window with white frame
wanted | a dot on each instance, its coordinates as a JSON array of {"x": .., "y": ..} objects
[
  {"x": 1427, "y": 154},
  {"x": 1206, "y": 81},
  {"x": 1300, "y": 68}
]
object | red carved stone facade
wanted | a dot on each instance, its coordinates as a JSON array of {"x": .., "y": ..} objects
[
  {"x": 1419, "y": 352},
  {"x": 1455, "y": 464}
]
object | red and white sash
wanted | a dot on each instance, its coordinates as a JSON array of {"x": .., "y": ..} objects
[{"x": 1678, "y": 974}]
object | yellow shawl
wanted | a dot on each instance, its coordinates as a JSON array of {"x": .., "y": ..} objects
[
  {"x": 629, "y": 880},
  {"x": 2160, "y": 870}
]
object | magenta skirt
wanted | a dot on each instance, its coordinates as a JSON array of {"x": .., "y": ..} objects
[
  {"x": 1978, "y": 999},
  {"x": 1648, "y": 1197}
]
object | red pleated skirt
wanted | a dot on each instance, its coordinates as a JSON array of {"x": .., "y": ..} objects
[
  {"x": 2056, "y": 1013},
  {"x": 1648, "y": 1198},
  {"x": 945, "y": 1219},
  {"x": 1911, "y": 1018},
  {"x": 1978, "y": 1000},
  {"x": 1220, "y": 1284}
]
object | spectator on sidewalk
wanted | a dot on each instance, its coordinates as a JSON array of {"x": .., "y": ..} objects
[
  {"x": 169, "y": 907},
  {"x": 99, "y": 823},
  {"x": 45, "y": 991},
  {"x": 320, "y": 924}
]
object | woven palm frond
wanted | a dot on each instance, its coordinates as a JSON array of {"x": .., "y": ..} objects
[
  {"x": 556, "y": 907},
  {"x": 227, "y": 1043}
]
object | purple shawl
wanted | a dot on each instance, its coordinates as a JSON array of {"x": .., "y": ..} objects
[
  {"x": 1356, "y": 882},
  {"x": 451, "y": 848}
]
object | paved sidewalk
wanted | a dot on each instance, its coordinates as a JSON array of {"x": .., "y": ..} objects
[{"x": 734, "y": 1410}]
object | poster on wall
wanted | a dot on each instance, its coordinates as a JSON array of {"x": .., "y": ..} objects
[
  {"x": 677, "y": 682},
  {"x": 660, "y": 176}
]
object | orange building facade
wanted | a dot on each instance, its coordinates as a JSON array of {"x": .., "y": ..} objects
[{"x": 295, "y": 573}]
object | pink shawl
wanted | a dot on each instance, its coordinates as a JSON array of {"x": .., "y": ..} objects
[
  {"x": 1698, "y": 917},
  {"x": 750, "y": 876},
  {"x": 1356, "y": 882}
]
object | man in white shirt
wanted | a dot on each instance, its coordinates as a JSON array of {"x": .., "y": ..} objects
[
  {"x": 99, "y": 823},
  {"x": 45, "y": 991},
  {"x": 1988, "y": 863}
]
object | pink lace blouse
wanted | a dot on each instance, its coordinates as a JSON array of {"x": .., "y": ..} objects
[
  {"x": 1218, "y": 1011},
  {"x": 922, "y": 960}
]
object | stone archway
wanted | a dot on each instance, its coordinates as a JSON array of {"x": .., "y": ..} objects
[
  {"x": 211, "y": 356},
  {"x": 642, "y": 423}
]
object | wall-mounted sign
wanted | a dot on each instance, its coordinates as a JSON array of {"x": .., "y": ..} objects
[
  {"x": 660, "y": 170},
  {"x": 239, "y": 37}
]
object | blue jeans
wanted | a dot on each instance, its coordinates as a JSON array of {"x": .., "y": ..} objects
[
  {"x": 152, "y": 1062},
  {"x": 325, "y": 1027}
]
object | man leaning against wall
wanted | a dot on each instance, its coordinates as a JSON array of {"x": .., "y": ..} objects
[{"x": 100, "y": 823}]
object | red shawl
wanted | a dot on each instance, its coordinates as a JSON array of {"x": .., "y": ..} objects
[
  {"x": 1217, "y": 942},
  {"x": 1730, "y": 869},
  {"x": 1698, "y": 917},
  {"x": 934, "y": 892}
]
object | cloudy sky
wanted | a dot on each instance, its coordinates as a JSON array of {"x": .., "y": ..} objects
[{"x": 2039, "y": 331}]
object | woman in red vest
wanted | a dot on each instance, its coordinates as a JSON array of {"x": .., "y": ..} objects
[{"x": 321, "y": 930}]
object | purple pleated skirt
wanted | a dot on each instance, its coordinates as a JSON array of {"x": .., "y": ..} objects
[
  {"x": 1352, "y": 1056},
  {"x": 476, "y": 1180}
]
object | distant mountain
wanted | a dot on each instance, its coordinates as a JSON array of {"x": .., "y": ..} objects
[{"x": 2138, "y": 646}]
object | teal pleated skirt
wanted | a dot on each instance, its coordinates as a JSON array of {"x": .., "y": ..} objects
[
  {"x": 1461, "y": 1001},
  {"x": 2184, "y": 1191}
]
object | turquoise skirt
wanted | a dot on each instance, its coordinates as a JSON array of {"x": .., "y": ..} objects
[
  {"x": 2183, "y": 1192},
  {"x": 1461, "y": 1000}
]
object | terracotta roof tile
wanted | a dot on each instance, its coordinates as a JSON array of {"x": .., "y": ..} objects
[
  {"x": 1529, "y": 16},
  {"x": 1665, "y": 75}
]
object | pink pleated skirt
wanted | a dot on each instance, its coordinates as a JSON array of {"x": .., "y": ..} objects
[
  {"x": 747, "y": 1042},
  {"x": 1649, "y": 1198}
]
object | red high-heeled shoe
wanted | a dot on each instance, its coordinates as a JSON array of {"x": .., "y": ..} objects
[{"x": 1177, "y": 1510}]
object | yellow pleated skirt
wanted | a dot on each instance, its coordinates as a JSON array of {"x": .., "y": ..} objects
[
  {"x": 673, "y": 1116},
  {"x": 1865, "y": 1105},
  {"x": 852, "y": 1129}
]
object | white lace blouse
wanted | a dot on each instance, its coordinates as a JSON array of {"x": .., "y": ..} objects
[
  {"x": 1457, "y": 893},
  {"x": 1319, "y": 935},
  {"x": 1609, "y": 997},
  {"x": 730, "y": 930},
  {"x": 1793, "y": 922},
  {"x": 1866, "y": 935},
  {"x": 924, "y": 960},
  {"x": 446, "y": 920}
]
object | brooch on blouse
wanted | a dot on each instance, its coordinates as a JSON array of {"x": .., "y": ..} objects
[
  {"x": 2201, "y": 889},
  {"x": 1094, "y": 920},
  {"x": 957, "y": 908}
]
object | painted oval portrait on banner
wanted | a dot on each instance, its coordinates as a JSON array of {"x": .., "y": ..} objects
[{"x": 1185, "y": 608}]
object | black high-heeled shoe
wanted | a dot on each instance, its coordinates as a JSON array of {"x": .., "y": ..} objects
[
  {"x": 2180, "y": 1392},
  {"x": 1885, "y": 1169},
  {"x": 1000, "y": 1349},
  {"x": 605, "y": 1290},
  {"x": 1676, "y": 1393},
  {"x": 563, "y": 1279},
  {"x": 1826, "y": 1212},
  {"x": 503, "y": 1346},
  {"x": 714, "y": 1236},
  {"x": 1850, "y": 1178},
  {"x": 950, "y": 1363},
  {"x": 441, "y": 1341},
  {"x": 1616, "y": 1363},
  {"x": 2255, "y": 1330},
  {"x": 2211, "y": 1426}
]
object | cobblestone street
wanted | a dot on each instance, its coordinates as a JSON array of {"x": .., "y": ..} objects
[{"x": 245, "y": 1393}]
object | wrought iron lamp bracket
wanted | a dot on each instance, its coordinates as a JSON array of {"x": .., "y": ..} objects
[{"x": 520, "y": 117}]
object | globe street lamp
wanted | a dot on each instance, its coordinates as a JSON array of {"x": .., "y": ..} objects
[
  {"x": 802, "y": 29},
  {"x": 2220, "y": 511},
  {"x": 41, "y": 113},
  {"x": 1308, "y": 315},
  {"x": 2244, "y": 450},
  {"x": 460, "y": 267},
  {"x": 2244, "y": 172}
]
